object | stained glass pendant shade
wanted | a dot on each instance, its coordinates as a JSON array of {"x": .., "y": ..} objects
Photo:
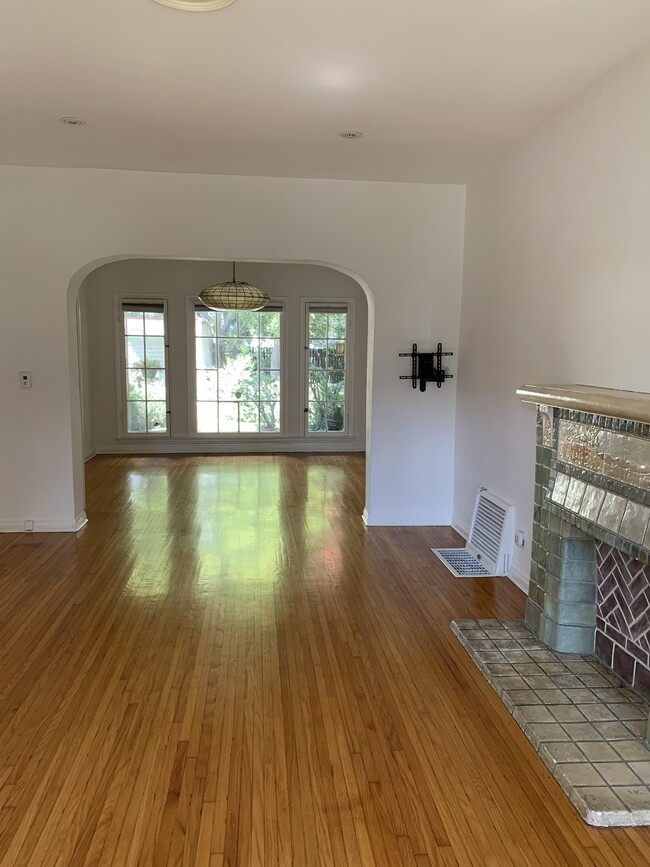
[
  {"x": 195, "y": 5},
  {"x": 233, "y": 295}
]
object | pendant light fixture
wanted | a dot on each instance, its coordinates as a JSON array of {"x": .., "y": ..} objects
[
  {"x": 233, "y": 295},
  {"x": 195, "y": 5}
]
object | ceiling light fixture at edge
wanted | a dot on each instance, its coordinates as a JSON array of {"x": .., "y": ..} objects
[
  {"x": 72, "y": 121},
  {"x": 195, "y": 5},
  {"x": 351, "y": 133},
  {"x": 233, "y": 295}
]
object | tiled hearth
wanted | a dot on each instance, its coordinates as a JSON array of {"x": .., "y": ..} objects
[{"x": 585, "y": 724}]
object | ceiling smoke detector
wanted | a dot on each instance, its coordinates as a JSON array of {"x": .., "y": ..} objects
[
  {"x": 195, "y": 5},
  {"x": 350, "y": 133},
  {"x": 72, "y": 121}
]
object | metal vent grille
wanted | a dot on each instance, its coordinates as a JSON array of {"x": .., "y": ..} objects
[
  {"x": 488, "y": 552},
  {"x": 461, "y": 563},
  {"x": 487, "y": 528}
]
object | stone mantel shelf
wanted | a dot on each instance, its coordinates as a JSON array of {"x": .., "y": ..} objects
[{"x": 629, "y": 405}]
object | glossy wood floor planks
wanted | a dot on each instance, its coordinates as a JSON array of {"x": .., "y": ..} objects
[{"x": 225, "y": 668}]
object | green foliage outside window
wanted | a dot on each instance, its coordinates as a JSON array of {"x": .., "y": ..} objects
[
  {"x": 327, "y": 371},
  {"x": 146, "y": 391},
  {"x": 238, "y": 371}
]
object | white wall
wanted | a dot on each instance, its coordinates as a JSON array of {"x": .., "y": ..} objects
[
  {"x": 85, "y": 387},
  {"x": 175, "y": 280},
  {"x": 557, "y": 281},
  {"x": 404, "y": 241}
]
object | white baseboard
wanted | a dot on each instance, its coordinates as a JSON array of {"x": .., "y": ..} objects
[
  {"x": 401, "y": 520},
  {"x": 89, "y": 455},
  {"x": 45, "y": 526},
  {"x": 461, "y": 529},
  {"x": 12, "y": 526},
  {"x": 519, "y": 579},
  {"x": 185, "y": 447}
]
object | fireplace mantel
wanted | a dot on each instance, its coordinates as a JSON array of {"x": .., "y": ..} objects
[{"x": 615, "y": 403}]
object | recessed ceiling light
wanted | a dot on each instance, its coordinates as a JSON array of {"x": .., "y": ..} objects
[
  {"x": 195, "y": 5},
  {"x": 72, "y": 121},
  {"x": 350, "y": 133}
]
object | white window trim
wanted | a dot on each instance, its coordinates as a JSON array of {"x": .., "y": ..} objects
[
  {"x": 191, "y": 302},
  {"x": 305, "y": 304},
  {"x": 120, "y": 363}
]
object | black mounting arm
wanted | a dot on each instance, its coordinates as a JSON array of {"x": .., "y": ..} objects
[{"x": 426, "y": 367}]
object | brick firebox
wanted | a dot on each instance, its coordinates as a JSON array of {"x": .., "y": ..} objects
[{"x": 623, "y": 616}]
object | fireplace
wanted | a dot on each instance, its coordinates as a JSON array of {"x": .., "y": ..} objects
[
  {"x": 565, "y": 673},
  {"x": 590, "y": 573}
]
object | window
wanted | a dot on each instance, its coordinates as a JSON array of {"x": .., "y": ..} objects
[
  {"x": 327, "y": 368},
  {"x": 238, "y": 370},
  {"x": 145, "y": 367}
]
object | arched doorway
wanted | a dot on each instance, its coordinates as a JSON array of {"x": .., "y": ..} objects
[{"x": 94, "y": 293}]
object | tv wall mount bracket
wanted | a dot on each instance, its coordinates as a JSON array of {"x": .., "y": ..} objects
[{"x": 426, "y": 367}]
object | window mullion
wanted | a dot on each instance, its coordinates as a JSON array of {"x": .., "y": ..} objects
[{"x": 259, "y": 373}]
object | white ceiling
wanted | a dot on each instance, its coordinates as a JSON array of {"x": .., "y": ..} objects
[{"x": 263, "y": 87}]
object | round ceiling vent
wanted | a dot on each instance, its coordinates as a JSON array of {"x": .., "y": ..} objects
[
  {"x": 195, "y": 5},
  {"x": 72, "y": 121},
  {"x": 351, "y": 133}
]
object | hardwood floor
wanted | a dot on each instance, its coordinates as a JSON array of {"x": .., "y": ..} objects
[{"x": 226, "y": 668}]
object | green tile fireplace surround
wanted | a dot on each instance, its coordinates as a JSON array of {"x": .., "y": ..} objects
[
  {"x": 592, "y": 490},
  {"x": 561, "y": 606}
]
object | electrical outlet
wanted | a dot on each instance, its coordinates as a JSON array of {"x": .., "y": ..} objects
[
  {"x": 25, "y": 379},
  {"x": 520, "y": 538},
  {"x": 29, "y": 526}
]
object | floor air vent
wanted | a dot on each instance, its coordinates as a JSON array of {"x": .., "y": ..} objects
[
  {"x": 462, "y": 564},
  {"x": 488, "y": 552}
]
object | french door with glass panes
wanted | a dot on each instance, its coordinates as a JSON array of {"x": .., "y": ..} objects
[
  {"x": 144, "y": 368},
  {"x": 327, "y": 366}
]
